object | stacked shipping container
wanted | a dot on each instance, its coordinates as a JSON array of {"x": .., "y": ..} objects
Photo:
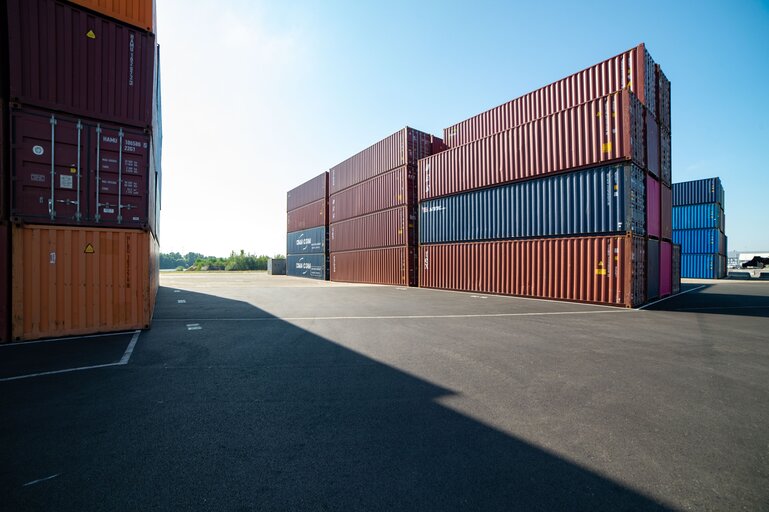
[{"x": 307, "y": 219}]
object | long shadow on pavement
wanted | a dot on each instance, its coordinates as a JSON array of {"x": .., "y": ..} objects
[{"x": 724, "y": 298}]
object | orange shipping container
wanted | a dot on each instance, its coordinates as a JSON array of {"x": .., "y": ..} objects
[
  {"x": 73, "y": 281},
  {"x": 140, "y": 13}
]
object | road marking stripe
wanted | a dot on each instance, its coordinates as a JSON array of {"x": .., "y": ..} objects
[
  {"x": 130, "y": 349},
  {"x": 722, "y": 307},
  {"x": 670, "y": 297},
  {"x": 33, "y": 482},
  {"x": 68, "y": 338}
]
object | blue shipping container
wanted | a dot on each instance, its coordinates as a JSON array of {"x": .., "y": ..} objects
[
  {"x": 703, "y": 266},
  {"x": 307, "y": 265},
  {"x": 698, "y": 216},
  {"x": 704, "y": 191},
  {"x": 608, "y": 199},
  {"x": 700, "y": 241},
  {"x": 308, "y": 241}
]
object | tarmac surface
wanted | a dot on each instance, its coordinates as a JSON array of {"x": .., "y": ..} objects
[{"x": 256, "y": 392}]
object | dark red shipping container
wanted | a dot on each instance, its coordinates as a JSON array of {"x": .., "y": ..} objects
[
  {"x": 633, "y": 70},
  {"x": 4, "y": 160},
  {"x": 5, "y": 282},
  {"x": 666, "y": 268},
  {"x": 652, "y": 145},
  {"x": 666, "y": 212},
  {"x": 309, "y": 216},
  {"x": 663, "y": 98},
  {"x": 392, "y": 265},
  {"x": 605, "y": 130},
  {"x": 388, "y": 190},
  {"x": 308, "y": 192},
  {"x": 387, "y": 228},
  {"x": 604, "y": 270},
  {"x": 666, "y": 159},
  {"x": 653, "y": 227},
  {"x": 68, "y": 59}
]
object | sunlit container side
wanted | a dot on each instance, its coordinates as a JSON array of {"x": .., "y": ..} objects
[
  {"x": 156, "y": 152},
  {"x": 312, "y": 266},
  {"x": 708, "y": 190},
  {"x": 73, "y": 281},
  {"x": 5, "y": 280},
  {"x": 605, "y": 270},
  {"x": 665, "y": 157},
  {"x": 388, "y": 190},
  {"x": 603, "y": 131},
  {"x": 698, "y": 216},
  {"x": 308, "y": 216},
  {"x": 633, "y": 70},
  {"x": 666, "y": 212},
  {"x": 652, "y": 144},
  {"x": 307, "y": 241},
  {"x": 663, "y": 98},
  {"x": 703, "y": 266},
  {"x": 391, "y": 265},
  {"x": 404, "y": 147},
  {"x": 154, "y": 270},
  {"x": 666, "y": 268},
  {"x": 676, "y": 270},
  {"x": 308, "y": 192},
  {"x": 699, "y": 241},
  {"x": 608, "y": 199},
  {"x": 67, "y": 59},
  {"x": 652, "y": 269},
  {"x": 387, "y": 228},
  {"x": 140, "y": 13},
  {"x": 653, "y": 210}
]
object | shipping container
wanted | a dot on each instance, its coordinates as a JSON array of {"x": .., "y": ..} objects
[
  {"x": 698, "y": 216},
  {"x": 75, "y": 281},
  {"x": 307, "y": 241},
  {"x": 708, "y": 190},
  {"x": 666, "y": 268},
  {"x": 310, "y": 191},
  {"x": 387, "y": 228},
  {"x": 312, "y": 266},
  {"x": 392, "y": 265},
  {"x": 703, "y": 266},
  {"x": 140, "y": 13},
  {"x": 276, "y": 267},
  {"x": 699, "y": 241},
  {"x": 309, "y": 216},
  {"x": 663, "y": 98},
  {"x": 633, "y": 70},
  {"x": 67, "y": 59},
  {"x": 5, "y": 276},
  {"x": 652, "y": 144},
  {"x": 156, "y": 153},
  {"x": 603, "y": 131},
  {"x": 666, "y": 212},
  {"x": 676, "y": 269},
  {"x": 604, "y": 270},
  {"x": 404, "y": 147},
  {"x": 4, "y": 156},
  {"x": 388, "y": 190},
  {"x": 665, "y": 157},
  {"x": 154, "y": 273},
  {"x": 653, "y": 210},
  {"x": 652, "y": 269},
  {"x": 608, "y": 199}
]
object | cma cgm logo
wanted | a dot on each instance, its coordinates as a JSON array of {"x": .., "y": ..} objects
[
  {"x": 303, "y": 241},
  {"x": 303, "y": 265},
  {"x": 428, "y": 209}
]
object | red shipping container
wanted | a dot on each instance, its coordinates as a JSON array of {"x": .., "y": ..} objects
[
  {"x": 388, "y": 190},
  {"x": 633, "y": 70},
  {"x": 652, "y": 145},
  {"x": 68, "y": 59},
  {"x": 663, "y": 98},
  {"x": 392, "y": 265},
  {"x": 387, "y": 228},
  {"x": 666, "y": 269},
  {"x": 666, "y": 212},
  {"x": 666, "y": 158},
  {"x": 604, "y": 270},
  {"x": 5, "y": 280},
  {"x": 308, "y": 192},
  {"x": 653, "y": 227},
  {"x": 308, "y": 216},
  {"x": 609, "y": 129},
  {"x": 4, "y": 171}
]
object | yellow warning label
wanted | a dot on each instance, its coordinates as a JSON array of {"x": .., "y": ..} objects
[
  {"x": 598, "y": 114},
  {"x": 600, "y": 263},
  {"x": 400, "y": 231},
  {"x": 73, "y": 170},
  {"x": 600, "y": 271},
  {"x": 89, "y": 249},
  {"x": 616, "y": 186},
  {"x": 399, "y": 197},
  {"x": 606, "y": 148},
  {"x": 90, "y": 35}
]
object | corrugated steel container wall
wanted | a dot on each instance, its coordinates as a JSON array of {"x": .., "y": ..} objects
[
  {"x": 382, "y": 229},
  {"x": 703, "y": 266},
  {"x": 666, "y": 212},
  {"x": 140, "y": 13},
  {"x": 676, "y": 270},
  {"x": 663, "y": 95},
  {"x": 74, "y": 281},
  {"x": 606, "y": 270},
  {"x": 666, "y": 268},
  {"x": 276, "y": 267},
  {"x": 653, "y": 269},
  {"x": 698, "y": 241},
  {"x": 312, "y": 266},
  {"x": 156, "y": 152},
  {"x": 154, "y": 273},
  {"x": 708, "y": 190},
  {"x": 404, "y": 147},
  {"x": 308, "y": 216},
  {"x": 4, "y": 158},
  {"x": 653, "y": 209},
  {"x": 5, "y": 276},
  {"x": 602, "y": 131},
  {"x": 392, "y": 265},
  {"x": 308, "y": 192},
  {"x": 388, "y": 190},
  {"x": 652, "y": 144},
  {"x": 665, "y": 157},
  {"x": 698, "y": 216},
  {"x": 307, "y": 241},
  {"x": 608, "y": 199},
  {"x": 633, "y": 69}
]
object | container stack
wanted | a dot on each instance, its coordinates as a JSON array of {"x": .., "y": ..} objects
[
  {"x": 698, "y": 225},
  {"x": 307, "y": 238},
  {"x": 81, "y": 170}
]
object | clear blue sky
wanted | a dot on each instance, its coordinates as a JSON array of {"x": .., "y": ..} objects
[{"x": 260, "y": 96}]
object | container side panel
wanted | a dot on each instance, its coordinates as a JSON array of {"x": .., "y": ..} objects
[
  {"x": 652, "y": 269},
  {"x": 700, "y": 241},
  {"x": 653, "y": 220},
  {"x": 312, "y": 266},
  {"x": 388, "y": 228},
  {"x": 308, "y": 192},
  {"x": 139, "y": 13},
  {"x": 388, "y": 190},
  {"x": 5, "y": 276},
  {"x": 676, "y": 270},
  {"x": 666, "y": 268},
  {"x": 308, "y": 216},
  {"x": 307, "y": 241},
  {"x": 698, "y": 216},
  {"x": 393, "y": 266},
  {"x": 703, "y": 266},
  {"x": 708, "y": 190}
]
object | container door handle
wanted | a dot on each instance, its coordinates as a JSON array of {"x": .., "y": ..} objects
[
  {"x": 97, "y": 217},
  {"x": 120, "y": 179}
]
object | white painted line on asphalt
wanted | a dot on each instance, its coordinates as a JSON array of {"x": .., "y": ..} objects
[
  {"x": 721, "y": 307},
  {"x": 670, "y": 297},
  {"x": 181, "y": 301},
  {"x": 130, "y": 349},
  {"x": 514, "y": 297},
  {"x": 194, "y": 327},
  {"x": 33, "y": 482},
  {"x": 69, "y": 338},
  {"x": 177, "y": 291}
]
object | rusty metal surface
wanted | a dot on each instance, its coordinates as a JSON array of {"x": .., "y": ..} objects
[
  {"x": 140, "y": 13},
  {"x": 393, "y": 265}
]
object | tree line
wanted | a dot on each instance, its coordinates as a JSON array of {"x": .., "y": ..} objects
[{"x": 197, "y": 261}]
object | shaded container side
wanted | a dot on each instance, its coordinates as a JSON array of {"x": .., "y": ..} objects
[
  {"x": 698, "y": 241},
  {"x": 666, "y": 268},
  {"x": 312, "y": 266},
  {"x": 666, "y": 212},
  {"x": 653, "y": 210},
  {"x": 633, "y": 70},
  {"x": 276, "y": 267},
  {"x": 387, "y": 228},
  {"x": 5, "y": 178},
  {"x": 388, "y": 190},
  {"x": 663, "y": 98},
  {"x": 698, "y": 216},
  {"x": 140, "y": 13},
  {"x": 703, "y": 266},
  {"x": 652, "y": 144},
  {"x": 308, "y": 216},
  {"x": 676, "y": 269},
  {"x": 708, "y": 190},
  {"x": 603, "y": 131},
  {"x": 392, "y": 265},
  {"x": 666, "y": 162},
  {"x": 404, "y": 147},
  {"x": 68, "y": 59},
  {"x": 5, "y": 281},
  {"x": 308, "y": 192},
  {"x": 75, "y": 281},
  {"x": 652, "y": 269},
  {"x": 608, "y": 199},
  {"x": 307, "y": 241}
]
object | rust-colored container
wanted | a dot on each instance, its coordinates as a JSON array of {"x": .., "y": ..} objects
[
  {"x": 666, "y": 212},
  {"x": 74, "y": 281},
  {"x": 67, "y": 59},
  {"x": 653, "y": 226},
  {"x": 633, "y": 70},
  {"x": 382, "y": 229},
  {"x": 4, "y": 171},
  {"x": 663, "y": 98},
  {"x": 609, "y": 129},
  {"x": 140, "y": 13},
  {"x": 308, "y": 192},
  {"x": 393, "y": 265},
  {"x": 388, "y": 190},
  {"x": 154, "y": 270},
  {"x": 603, "y": 270},
  {"x": 5, "y": 276},
  {"x": 652, "y": 144},
  {"x": 666, "y": 158},
  {"x": 308, "y": 216}
]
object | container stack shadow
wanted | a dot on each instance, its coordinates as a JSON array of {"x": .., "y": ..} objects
[{"x": 307, "y": 226}]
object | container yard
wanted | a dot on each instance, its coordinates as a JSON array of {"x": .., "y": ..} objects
[
  {"x": 307, "y": 230},
  {"x": 699, "y": 227}
]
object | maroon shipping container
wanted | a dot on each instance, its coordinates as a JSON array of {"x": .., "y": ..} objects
[
  {"x": 666, "y": 159},
  {"x": 652, "y": 145},
  {"x": 666, "y": 212},
  {"x": 666, "y": 269},
  {"x": 308, "y": 192},
  {"x": 393, "y": 265},
  {"x": 605, "y": 269},
  {"x": 633, "y": 70},
  {"x": 308, "y": 216},
  {"x": 387, "y": 228},
  {"x": 653, "y": 227},
  {"x": 68, "y": 59},
  {"x": 388, "y": 190},
  {"x": 663, "y": 98},
  {"x": 608, "y": 129},
  {"x": 676, "y": 269},
  {"x": 4, "y": 171},
  {"x": 404, "y": 147},
  {"x": 5, "y": 282}
]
